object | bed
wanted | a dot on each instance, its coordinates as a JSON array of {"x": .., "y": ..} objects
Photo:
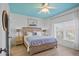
[{"x": 35, "y": 43}]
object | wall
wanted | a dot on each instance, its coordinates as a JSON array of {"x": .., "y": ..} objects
[
  {"x": 69, "y": 15},
  {"x": 47, "y": 24},
  {"x": 16, "y": 21},
  {"x": 19, "y": 21},
  {"x": 0, "y": 29},
  {"x": 77, "y": 26},
  {"x": 2, "y": 33}
]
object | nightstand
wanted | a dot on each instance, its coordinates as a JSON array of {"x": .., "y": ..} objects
[{"x": 19, "y": 40}]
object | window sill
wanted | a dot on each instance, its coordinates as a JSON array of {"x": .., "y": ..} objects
[{"x": 69, "y": 40}]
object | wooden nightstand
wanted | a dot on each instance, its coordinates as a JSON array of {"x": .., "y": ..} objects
[{"x": 19, "y": 40}]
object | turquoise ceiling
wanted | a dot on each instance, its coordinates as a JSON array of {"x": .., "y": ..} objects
[{"x": 31, "y": 9}]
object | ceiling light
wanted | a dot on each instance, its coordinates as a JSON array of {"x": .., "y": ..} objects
[{"x": 45, "y": 8}]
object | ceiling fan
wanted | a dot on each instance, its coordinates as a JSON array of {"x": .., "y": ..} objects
[{"x": 45, "y": 8}]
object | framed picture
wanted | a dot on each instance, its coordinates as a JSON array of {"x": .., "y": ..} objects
[{"x": 32, "y": 22}]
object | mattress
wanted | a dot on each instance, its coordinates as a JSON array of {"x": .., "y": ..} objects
[{"x": 39, "y": 40}]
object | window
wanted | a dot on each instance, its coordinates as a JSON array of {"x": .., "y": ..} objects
[{"x": 65, "y": 30}]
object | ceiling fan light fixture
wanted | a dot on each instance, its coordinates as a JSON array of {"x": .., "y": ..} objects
[
  {"x": 45, "y": 10},
  {"x": 44, "y": 4}
]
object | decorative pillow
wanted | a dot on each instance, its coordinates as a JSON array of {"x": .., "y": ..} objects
[
  {"x": 34, "y": 33},
  {"x": 39, "y": 33},
  {"x": 29, "y": 33}
]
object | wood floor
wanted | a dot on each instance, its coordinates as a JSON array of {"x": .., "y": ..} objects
[{"x": 20, "y": 50}]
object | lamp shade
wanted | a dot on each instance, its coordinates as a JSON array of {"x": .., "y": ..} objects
[{"x": 18, "y": 30}]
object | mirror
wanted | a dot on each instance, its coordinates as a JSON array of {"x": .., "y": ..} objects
[{"x": 5, "y": 20}]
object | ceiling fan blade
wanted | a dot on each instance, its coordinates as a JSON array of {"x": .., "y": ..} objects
[
  {"x": 39, "y": 7},
  {"x": 45, "y": 8},
  {"x": 44, "y": 4},
  {"x": 51, "y": 7}
]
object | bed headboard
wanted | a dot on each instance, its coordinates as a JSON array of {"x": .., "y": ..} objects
[{"x": 30, "y": 29}]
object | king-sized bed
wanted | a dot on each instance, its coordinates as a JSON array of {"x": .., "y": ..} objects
[{"x": 36, "y": 43}]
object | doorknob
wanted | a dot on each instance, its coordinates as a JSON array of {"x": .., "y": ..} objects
[{"x": 5, "y": 50}]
